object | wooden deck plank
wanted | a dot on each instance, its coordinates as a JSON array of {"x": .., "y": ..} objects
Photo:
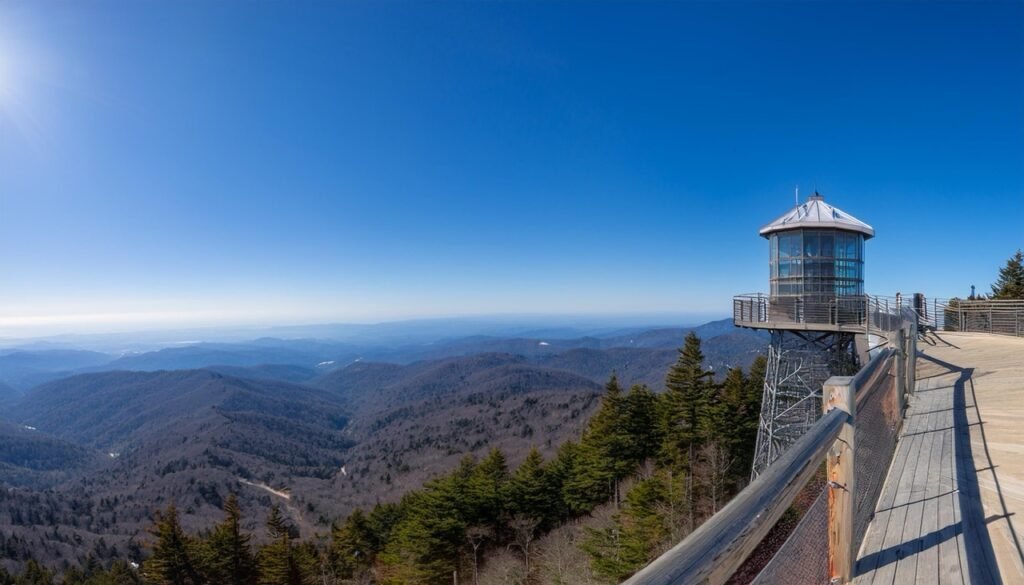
[
  {"x": 888, "y": 556},
  {"x": 974, "y": 560},
  {"x": 906, "y": 567},
  {"x": 949, "y": 555},
  {"x": 927, "y": 568},
  {"x": 916, "y": 535}
]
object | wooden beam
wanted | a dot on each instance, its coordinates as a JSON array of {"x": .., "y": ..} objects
[{"x": 839, "y": 393}]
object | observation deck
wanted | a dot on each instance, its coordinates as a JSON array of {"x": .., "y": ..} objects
[{"x": 846, "y": 314}]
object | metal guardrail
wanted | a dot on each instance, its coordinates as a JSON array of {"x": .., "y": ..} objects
[
  {"x": 713, "y": 552},
  {"x": 868, "y": 313},
  {"x": 758, "y": 308},
  {"x": 1003, "y": 317}
]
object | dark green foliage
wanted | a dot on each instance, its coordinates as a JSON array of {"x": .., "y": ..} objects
[
  {"x": 34, "y": 574},
  {"x": 641, "y": 526},
  {"x": 738, "y": 413},
  {"x": 173, "y": 561},
  {"x": 227, "y": 555},
  {"x": 282, "y": 561},
  {"x": 622, "y": 434},
  {"x": 686, "y": 410},
  {"x": 1010, "y": 283},
  {"x": 533, "y": 491},
  {"x": 118, "y": 574},
  {"x": 426, "y": 543},
  {"x": 641, "y": 424},
  {"x": 354, "y": 545},
  {"x": 706, "y": 433},
  {"x": 484, "y": 497}
]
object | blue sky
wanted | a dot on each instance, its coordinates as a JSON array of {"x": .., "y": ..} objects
[{"x": 173, "y": 163}]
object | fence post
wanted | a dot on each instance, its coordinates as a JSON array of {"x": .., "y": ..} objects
[
  {"x": 912, "y": 359},
  {"x": 901, "y": 342},
  {"x": 867, "y": 315},
  {"x": 839, "y": 393}
]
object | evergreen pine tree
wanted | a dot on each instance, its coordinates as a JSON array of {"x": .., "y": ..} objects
[
  {"x": 171, "y": 562},
  {"x": 279, "y": 562},
  {"x": 601, "y": 460},
  {"x": 425, "y": 545},
  {"x": 119, "y": 574},
  {"x": 685, "y": 404},
  {"x": 531, "y": 493},
  {"x": 733, "y": 416},
  {"x": 34, "y": 574},
  {"x": 641, "y": 425},
  {"x": 616, "y": 552},
  {"x": 1010, "y": 284},
  {"x": 228, "y": 555},
  {"x": 353, "y": 546},
  {"x": 484, "y": 487},
  {"x": 560, "y": 472},
  {"x": 750, "y": 419}
]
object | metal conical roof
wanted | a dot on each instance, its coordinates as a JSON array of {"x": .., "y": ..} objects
[{"x": 815, "y": 213}]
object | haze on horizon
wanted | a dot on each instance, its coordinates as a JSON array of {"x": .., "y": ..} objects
[{"x": 227, "y": 164}]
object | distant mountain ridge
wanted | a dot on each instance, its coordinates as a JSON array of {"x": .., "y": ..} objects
[
  {"x": 293, "y": 359},
  {"x": 337, "y": 430}
]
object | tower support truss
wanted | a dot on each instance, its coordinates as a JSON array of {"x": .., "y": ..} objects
[{"x": 799, "y": 363}]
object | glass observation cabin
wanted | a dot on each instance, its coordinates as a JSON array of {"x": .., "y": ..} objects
[{"x": 816, "y": 260}]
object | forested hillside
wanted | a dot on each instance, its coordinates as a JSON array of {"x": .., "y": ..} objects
[{"x": 646, "y": 470}]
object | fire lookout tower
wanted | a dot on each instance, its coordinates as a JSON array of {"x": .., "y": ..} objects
[{"x": 814, "y": 311}]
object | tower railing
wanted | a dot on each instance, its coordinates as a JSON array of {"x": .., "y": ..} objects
[
  {"x": 864, "y": 409},
  {"x": 856, "y": 313},
  {"x": 1003, "y": 317}
]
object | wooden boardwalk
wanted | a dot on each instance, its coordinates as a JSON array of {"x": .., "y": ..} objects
[{"x": 928, "y": 526}]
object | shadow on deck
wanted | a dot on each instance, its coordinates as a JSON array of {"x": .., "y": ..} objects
[{"x": 929, "y": 524}]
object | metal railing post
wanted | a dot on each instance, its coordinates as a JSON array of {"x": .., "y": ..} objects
[
  {"x": 867, "y": 315},
  {"x": 842, "y": 554},
  {"x": 901, "y": 343},
  {"x": 912, "y": 360}
]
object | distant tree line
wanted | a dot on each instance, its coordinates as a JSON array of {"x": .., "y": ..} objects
[{"x": 658, "y": 464}]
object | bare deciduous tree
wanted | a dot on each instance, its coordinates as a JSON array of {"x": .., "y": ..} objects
[
  {"x": 560, "y": 560},
  {"x": 503, "y": 568},
  {"x": 477, "y": 535},
  {"x": 713, "y": 466},
  {"x": 524, "y": 532}
]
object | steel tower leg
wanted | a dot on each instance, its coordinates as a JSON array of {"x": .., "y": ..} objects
[{"x": 799, "y": 363}]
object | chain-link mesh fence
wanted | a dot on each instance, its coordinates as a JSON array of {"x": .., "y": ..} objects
[{"x": 803, "y": 558}]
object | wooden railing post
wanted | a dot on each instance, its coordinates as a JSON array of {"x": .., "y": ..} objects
[{"x": 839, "y": 393}]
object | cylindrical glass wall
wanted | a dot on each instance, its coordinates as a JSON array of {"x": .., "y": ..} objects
[{"x": 816, "y": 263}]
